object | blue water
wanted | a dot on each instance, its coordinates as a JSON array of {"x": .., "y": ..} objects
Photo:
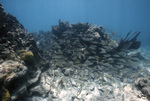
[{"x": 117, "y": 16}]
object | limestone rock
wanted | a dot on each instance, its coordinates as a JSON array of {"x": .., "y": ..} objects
[
  {"x": 11, "y": 70},
  {"x": 144, "y": 85}
]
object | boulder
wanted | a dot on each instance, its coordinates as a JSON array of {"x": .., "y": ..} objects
[{"x": 144, "y": 85}]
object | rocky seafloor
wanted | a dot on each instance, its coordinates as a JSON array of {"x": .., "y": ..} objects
[
  {"x": 73, "y": 62},
  {"x": 85, "y": 83}
]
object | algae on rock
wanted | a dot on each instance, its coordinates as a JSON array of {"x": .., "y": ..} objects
[
  {"x": 27, "y": 57},
  {"x": 6, "y": 95}
]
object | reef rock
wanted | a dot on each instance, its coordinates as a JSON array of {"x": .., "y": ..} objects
[
  {"x": 14, "y": 37},
  {"x": 11, "y": 70},
  {"x": 144, "y": 85},
  {"x": 17, "y": 48},
  {"x": 12, "y": 75}
]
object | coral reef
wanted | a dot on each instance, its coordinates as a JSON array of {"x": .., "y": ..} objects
[
  {"x": 2, "y": 16},
  {"x": 81, "y": 43},
  {"x": 74, "y": 62},
  {"x": 14, "y": 38},
  {"x": 84, "y": 66},
  {"x": 14, "y": 66}
]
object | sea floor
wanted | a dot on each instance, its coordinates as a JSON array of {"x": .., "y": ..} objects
[{"x": 98, "y": 83}]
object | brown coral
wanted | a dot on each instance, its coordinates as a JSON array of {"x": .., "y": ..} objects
[
  {"x": 27, "y": 57},
  {"x": 6, "y": 95}
]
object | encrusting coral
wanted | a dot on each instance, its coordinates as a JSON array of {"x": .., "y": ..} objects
[
  {"x": 6, "y": 95},
  {"x": 27, "y": 57}
]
